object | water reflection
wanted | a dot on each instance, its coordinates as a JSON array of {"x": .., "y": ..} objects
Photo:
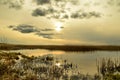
[
  {"x": 38, "y": 52},
  {"x": 86, "y": 60}
]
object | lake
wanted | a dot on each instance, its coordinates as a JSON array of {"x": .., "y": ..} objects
[{"x": 85, "y": 60}]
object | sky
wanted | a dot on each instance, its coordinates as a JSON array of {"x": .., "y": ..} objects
[{"x": 60, "y": 22}]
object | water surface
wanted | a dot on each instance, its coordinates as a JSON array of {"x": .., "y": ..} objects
[{"x": 85, "y": 60}]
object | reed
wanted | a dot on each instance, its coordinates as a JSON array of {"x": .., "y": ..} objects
[
  {"x": 109, "y": 68},
  {"x": 39, "y": 68}
]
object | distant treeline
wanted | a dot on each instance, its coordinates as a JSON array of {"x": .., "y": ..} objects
[{"x": 61, "y": 47}]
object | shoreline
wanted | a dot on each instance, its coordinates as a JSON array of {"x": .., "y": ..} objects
[{"x": 68, "y": 48}]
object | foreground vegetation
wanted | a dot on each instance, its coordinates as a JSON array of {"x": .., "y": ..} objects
[
  {"x": 109, "y": 68},
  {"x": 15, "y": 66},
  {"x": 60, "y": 47}
]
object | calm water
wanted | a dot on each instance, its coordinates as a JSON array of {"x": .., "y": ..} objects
[{"x": 85, "y": 60}]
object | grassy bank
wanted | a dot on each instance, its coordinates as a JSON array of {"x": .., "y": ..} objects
[{"x": 60, "y": 47}]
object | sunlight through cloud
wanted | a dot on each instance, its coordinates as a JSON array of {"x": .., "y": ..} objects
[{"x": 58, "y": 26}]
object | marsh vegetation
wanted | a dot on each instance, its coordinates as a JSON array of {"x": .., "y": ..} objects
[
  {"x": 15, "y": 66},
  {"x": 109, "y": 68}
]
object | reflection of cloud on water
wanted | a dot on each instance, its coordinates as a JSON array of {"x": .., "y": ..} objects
[
  {"x": 39, "y": 52},
  {"x": 44, "y": 52},
  {"x": 58, "y": 52},
  {"x": 36, "y": 52}
]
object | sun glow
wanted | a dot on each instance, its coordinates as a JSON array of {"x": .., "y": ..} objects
[{"x": 58, "y": 26}]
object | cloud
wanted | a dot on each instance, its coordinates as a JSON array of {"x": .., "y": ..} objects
[
  {"x": 75, "y": 15},
  {"x": 45, "y": 35},
  {"x": 41, "y": 2},
  {"x": 111, "y": 2},
  {"x": 16, "y": 4},
  {"x": 23, "y": 28},
  {"x": 95, "y": 14},
  {"x": 53, "y": 14},
  {"x": 62, "y": 9},
  {"x": 47, "y": 12},
  {"x": 47, "y": 29},
  {"x": 26, "y": 29},
  {"x": 44, "y": 12},
  {"x": 53, "y": 9},
  {"x": 65, "y": 16},
  {"x": 39, "y": 12},
  {"x": 75, "y": 2},
  {"x": 85, "y": 15}
]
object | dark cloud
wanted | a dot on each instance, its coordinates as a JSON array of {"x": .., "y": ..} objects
[
  {"x": 16, "y": 4},
  {"x": 47, "y": 29},
  {"x": 45, "y": 35},
  {"x": 39, "y": 12},
  {"x": 11, "y": 26},
  {"x": 95, "y": 14},
  {"x": 113, "y": 2},
  {"x": 52, "y": 13},
  {"x": 55, "y": 9},
  {"x": 50, "y": 10},
  {"x": 59, "y": 0},
  {"x": 44, "y": 12},
  {"x": 85, "y": 15},
  {"x": 58, "y": 11},
  {"x": 75, "y": 2},
  {"x": 25, "y": 28},
  {"x": 55, "y": 16},
  {"x": 65, "y": 16},
  {"x": 49, "y": 34},
  {"x": 75, "y": 15},
  {"x": 41, "y": 2}
]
